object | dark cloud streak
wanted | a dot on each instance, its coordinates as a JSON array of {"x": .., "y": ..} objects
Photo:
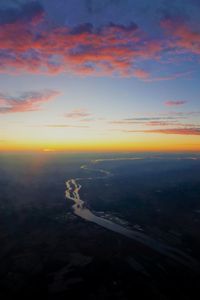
[
  {"x": 25, "y": 13},
  {"x": 172, "y": 131}
]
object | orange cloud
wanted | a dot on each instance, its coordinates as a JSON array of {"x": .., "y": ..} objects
[{"x": 28, "y": 101}]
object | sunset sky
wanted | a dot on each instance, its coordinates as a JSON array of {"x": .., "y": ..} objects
[{"x": 100, "y": 75}]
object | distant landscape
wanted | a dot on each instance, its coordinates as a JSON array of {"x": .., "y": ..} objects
[{"x": 50, "y": 251}]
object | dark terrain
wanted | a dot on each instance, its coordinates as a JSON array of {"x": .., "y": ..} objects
[{"x": 46, "y": 251}]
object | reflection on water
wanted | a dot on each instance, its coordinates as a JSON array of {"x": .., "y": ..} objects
[{"x": 80, "y": 209}]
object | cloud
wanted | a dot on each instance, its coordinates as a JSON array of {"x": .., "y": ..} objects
[
  {"x": 31, "y": 42},
  {"x": 166, "y": 123},
  {"x": 184, "y": 36},
  {"x": 181, "y": 114},
  {"x": 175, "y": 102},
  {"x": 26, "y": 12},
  {"x": 77, "y": 114},
  {"x": 178, "y": 131},
  {"x": 161, "y": 123},
  {"x": 42, "y": 47},
  {"x": 65, "y": 126},
  {"x": 86, "y": 120},
  {"x": 173, "y": 76},
  {"x": 153, "y": 122},
  {"x": 142, "y": 74},
  {"x": 142, "y": 120},
  {"x": 27, "y": 101}
]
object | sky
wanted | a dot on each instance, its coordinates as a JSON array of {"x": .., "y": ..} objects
[{"x": 91, "y": 75}]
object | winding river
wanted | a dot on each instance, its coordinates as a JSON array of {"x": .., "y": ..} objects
[{"x": 80, "y": 209}]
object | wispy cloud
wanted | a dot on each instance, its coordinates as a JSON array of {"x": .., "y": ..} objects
[
  {"x": 142, "y": 120},
  {"x": 162, "y": 123},
  {"x": 65, "y": 126},
  {"x": 175, "y": 102},
  {"x": 173, "y": 76},
  {"x": 141, "y": 74},
  {"x": 78, "y": 114},
  {"x": 178, "y": 131},
  {"x": 27, "y": 101},
  {"x": 86, "y": 120},
  {"x": 165, "y": 123},
  {"x": 182, "y": 114},
  {"x": 162, "y": 118}
]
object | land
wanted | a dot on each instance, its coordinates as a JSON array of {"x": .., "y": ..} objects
[{"x": 49, "y": 252}]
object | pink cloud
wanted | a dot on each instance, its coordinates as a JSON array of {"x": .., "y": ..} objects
[
  {"x": 178, "y": 131},
  {"x": 84, "y": 50},
  {"x": 171, "y": 77},
  {"x": 161, "y": 123},
  {"x": 29, "y": 101},
  {"x": 152, "y": 123},
  {"x": 142, "y": 74},
  {"x": 175, "y": 102},
  {"x": 35, "y": 46},
  {"x": 184, "y": 36},
  {"x": 77, "y": 114}
]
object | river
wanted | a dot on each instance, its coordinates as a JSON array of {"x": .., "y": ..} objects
[{"x": 80, "y": 209}]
